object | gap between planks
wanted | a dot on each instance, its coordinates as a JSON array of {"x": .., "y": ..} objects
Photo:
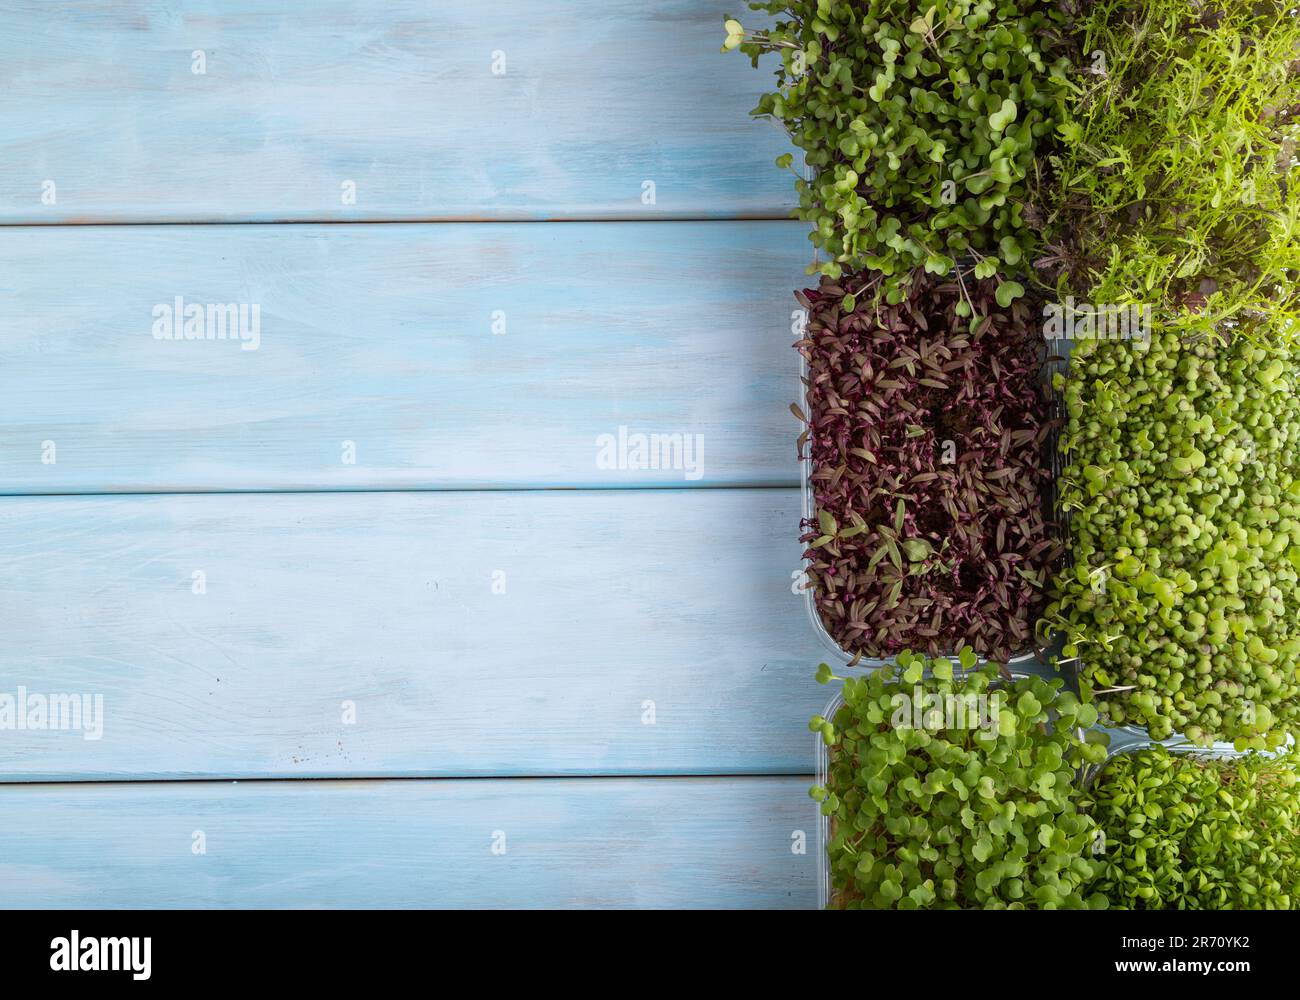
[{"x": 467, "y": 220}]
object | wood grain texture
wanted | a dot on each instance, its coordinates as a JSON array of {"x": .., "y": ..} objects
[
  {"x": 399, "y": 97},
  {"x": 609, "y": 843},
  {"x": 383, "y": 336},
  {"x": 613, "y": 599},
  {"x": 474, "y": 632}
]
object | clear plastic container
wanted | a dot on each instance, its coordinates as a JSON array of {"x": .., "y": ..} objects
[
  {"x": 1055, "y": 359},
  {"x": 823, "y": 753},
  {"x": 1131, "y": 739},
  {"x": 824, "y": 822}
]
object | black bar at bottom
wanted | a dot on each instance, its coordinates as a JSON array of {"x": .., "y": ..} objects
[{"x": 367, "y": 948}]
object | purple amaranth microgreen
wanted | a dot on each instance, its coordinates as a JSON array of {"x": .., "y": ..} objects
[{"x": 928, "y": 435}]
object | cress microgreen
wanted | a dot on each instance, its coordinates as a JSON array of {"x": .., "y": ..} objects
[
  {"x": 1182, "y": 603},
  {"x": 1181, "y": 831}
]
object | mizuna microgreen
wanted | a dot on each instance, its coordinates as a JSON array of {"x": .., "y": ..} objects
[
  {"x": 1177, "y": 180},
  {"x": 923, "y": 124}
]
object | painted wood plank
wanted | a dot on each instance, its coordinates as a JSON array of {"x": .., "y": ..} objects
[
  {"x": 607, "y": 843},
  {"x": 383, "y": 336},
  {"x": 522, "y": 109},
  {"x": 639, "y": 631}
]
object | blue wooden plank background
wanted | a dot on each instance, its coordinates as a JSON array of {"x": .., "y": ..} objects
[
  {"x": 449, "y": 355},
  {"x": 578, "y": 842},
  {"x": 514, "y": 109},
  {"x": 525, "y": 633},
  {"x": 357, "y": 553}
]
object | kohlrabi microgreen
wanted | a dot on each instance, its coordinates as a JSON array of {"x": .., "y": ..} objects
[{"x": 956, "y": 790}]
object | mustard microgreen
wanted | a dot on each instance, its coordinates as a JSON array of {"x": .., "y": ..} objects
[{"x": 1182, "y": 601}]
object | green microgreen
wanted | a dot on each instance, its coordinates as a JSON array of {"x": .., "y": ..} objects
[
  {"x": 1180, "y": 831},
  {"x": 953, "y": 791},
  {"x": 921, "y": 125},
  {"x": 1182, "y": 602},
  {"x": 1176, "y": 178}
]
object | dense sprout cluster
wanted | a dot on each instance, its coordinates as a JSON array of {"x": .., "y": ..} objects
[
  {"x": 921, "y": 125},
  {"x": 930, "y": 452},
  {"x": 1194, "y": 833},
  {"x": 1174, "y": 169},
  {"x": 953, "y": 788},
  {"x": 1183, "y": 491},
  {"x": 1126, "y": 153}
]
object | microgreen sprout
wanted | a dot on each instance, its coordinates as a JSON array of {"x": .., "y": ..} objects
[
  {"x": 1181, "y": 604},
  {"x": 1176, "y": 180},
  {"x": 928, "y": 432},
  {"x": 922, "y": 125},
  {"x": 1181, "y": 831},
  {"x": 951, "y": 786}
]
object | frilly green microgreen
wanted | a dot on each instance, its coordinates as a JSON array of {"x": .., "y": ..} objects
[
  {"x": 1180, "y": 831},
  {"x": 1176, "y": 179}
]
